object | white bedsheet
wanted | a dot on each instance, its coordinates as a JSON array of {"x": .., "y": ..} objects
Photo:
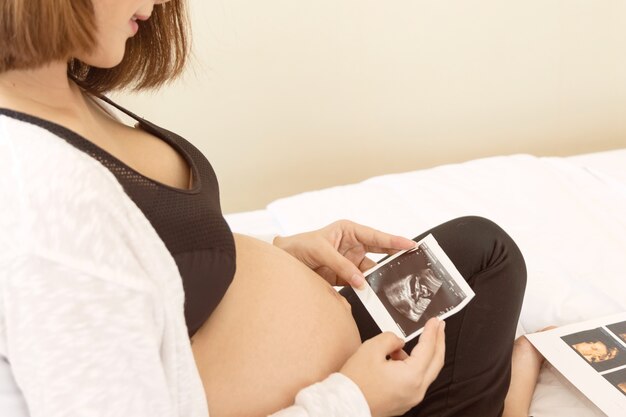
[{"x": 568, "y": 215}]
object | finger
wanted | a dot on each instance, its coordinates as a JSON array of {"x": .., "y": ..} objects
[
  {"x": 547, "y": 328},
  {"x": 385, "y": 344},
  {"x": 423, "y": 353},
  {"x": 398, "y": 355},
  {"x": 346, "y": 271},
  {"x": 440, "y": 353},
  {"x": 366, "y": 264},
  {"x": 386, "y": 251},
  {"x": 330, "y": 276},
  {"x": 379, "y": 242}
]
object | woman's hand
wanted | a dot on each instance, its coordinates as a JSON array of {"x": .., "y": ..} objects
[
  {"x": 337, "y": 251},
  {"x": 393, "y": 386}
]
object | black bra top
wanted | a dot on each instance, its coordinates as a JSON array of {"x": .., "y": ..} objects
[{"x": 190, "y": 222}]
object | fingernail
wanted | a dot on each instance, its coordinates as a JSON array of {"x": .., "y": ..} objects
[
  {"x": 358, "y": 281},
  {"x": 443, "y": 325}
]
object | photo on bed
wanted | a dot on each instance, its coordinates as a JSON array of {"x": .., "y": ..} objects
[
  {"x": 591, "y": 357},
  {"x": 619, "y": 329},
  {"x": 617, "y": 379},
  {"x": 598, "y": 347},
  {"x": 407, "y": 289}
]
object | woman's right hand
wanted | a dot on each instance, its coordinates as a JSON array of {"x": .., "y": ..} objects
[{"x": 395, "y": 385}]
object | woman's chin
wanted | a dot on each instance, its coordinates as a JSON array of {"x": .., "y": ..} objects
[{"x": 104, "y": 59}]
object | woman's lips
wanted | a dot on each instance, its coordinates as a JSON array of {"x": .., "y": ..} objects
[{"x": 134, "y": 26}]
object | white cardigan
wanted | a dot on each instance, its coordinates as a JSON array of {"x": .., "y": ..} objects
[{"x": 91, "y": 301}]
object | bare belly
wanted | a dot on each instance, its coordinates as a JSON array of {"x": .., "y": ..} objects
[{"x": 279, "y": 328}]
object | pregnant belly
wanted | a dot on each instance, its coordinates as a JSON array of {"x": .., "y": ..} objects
[{"x": 279, "y": 328}]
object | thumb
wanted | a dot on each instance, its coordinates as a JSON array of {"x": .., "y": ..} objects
[
  {"x": 385, "y": 343},
  {"x": 345, "y": 270}
]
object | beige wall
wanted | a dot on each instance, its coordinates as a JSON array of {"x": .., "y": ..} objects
[{"x": 285, "y": 96}]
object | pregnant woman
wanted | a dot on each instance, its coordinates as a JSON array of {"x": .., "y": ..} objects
[{"x": 124, "y": 293}]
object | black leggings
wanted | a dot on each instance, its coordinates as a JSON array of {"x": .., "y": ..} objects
[{"x": 479, "y": 339}]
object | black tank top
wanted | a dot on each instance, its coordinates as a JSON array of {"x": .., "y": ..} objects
[{"x": 190, "y": 222}]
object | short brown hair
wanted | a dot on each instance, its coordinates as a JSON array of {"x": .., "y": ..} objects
[{"x": 34, "y": 33}]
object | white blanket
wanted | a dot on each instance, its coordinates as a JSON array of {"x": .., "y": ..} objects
[{"x": 568, "y": 216}]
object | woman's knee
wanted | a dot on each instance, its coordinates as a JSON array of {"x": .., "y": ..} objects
[
  {"x": 505, "y": 253},
  {"x": 476, "y": 244}
]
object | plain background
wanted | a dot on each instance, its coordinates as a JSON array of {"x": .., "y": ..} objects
[{"x": 285, "y": 96}]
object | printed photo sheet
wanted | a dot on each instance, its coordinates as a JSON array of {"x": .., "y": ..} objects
[{"x": 592, "y": 356}]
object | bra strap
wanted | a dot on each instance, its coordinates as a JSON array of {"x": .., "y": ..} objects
[{"x": 105, "y": 99}]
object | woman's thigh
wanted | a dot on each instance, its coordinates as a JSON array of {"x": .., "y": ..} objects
[
  {"x": 479, "y": 339},
  {"x": 279, "y": 328}
]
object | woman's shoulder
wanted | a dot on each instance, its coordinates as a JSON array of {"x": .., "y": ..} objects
[
  {"x": 59, "y": 200},
  {"x": 34, "y": 153},
  {"x": 43, "y": 176}
]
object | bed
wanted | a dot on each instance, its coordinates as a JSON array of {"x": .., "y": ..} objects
[{"x": 568, "y": 215}]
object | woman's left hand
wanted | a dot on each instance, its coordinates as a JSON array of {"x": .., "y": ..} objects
[{"x": 337, "y": 251}]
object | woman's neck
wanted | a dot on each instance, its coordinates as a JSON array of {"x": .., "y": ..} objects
[{"x": 45, "y": 90}]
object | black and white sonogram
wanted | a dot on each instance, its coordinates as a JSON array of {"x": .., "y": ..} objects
[{"x": 415, "y": 287}]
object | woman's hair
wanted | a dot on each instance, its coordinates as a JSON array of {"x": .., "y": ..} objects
[{"x": 34, "y": 33}]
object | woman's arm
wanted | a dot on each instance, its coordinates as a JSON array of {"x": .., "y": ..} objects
[
  {"x": 525, "y": 367},
  {"x": 81, "y": 345},
  {"x": 336, "y": 396}
]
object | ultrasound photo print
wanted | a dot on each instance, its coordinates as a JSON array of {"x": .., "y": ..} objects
[
  {"x": 410, "y": 287},
  {"x": 619, "y": 329},
  {"x": 407, "y": 285},
  {"x": 617, "y": 379},
  {"x": 598, "y": 348}
]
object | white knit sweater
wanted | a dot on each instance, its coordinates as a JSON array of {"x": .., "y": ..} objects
[{"x": 91, "y": 301}]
